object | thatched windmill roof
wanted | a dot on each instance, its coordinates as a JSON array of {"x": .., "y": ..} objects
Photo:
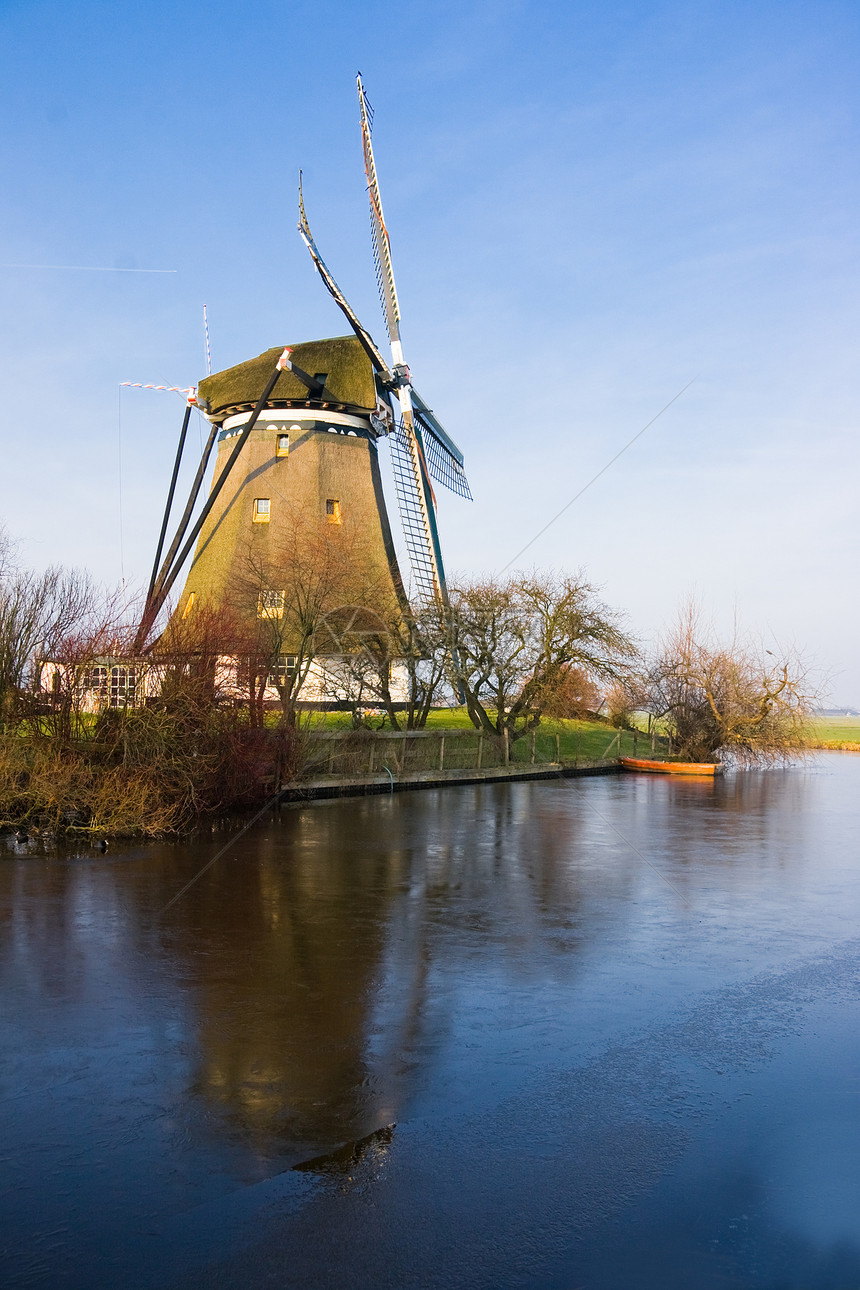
[{"x": 349, "y": 376}]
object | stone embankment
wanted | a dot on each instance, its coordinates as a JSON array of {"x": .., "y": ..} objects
[{"x": 388, "y": 782}]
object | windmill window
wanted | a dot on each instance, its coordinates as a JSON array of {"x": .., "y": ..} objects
[
  {"x": 332, "y": 510},
  {"x": 271, "y": 604},
  {"x": 123, "y": 683},
  {"x": 262, "y": 510},
  {"x": 97, "y": 679},
  {"x": 285, "y": 669},
  {"x": 283, "y": 448}
]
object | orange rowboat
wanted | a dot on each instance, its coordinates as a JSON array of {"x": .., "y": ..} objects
[{"x": 672, "y": 767}]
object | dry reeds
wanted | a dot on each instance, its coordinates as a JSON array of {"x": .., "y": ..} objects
[{"x": 145, "y": 773}]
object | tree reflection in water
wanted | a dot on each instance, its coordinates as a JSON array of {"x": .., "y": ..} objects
[{"x": 416, "y": 959}]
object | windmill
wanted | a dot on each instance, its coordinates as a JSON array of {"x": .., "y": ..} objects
[{"x": 297, "y": 431}]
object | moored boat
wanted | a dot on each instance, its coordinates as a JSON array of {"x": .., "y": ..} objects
[{"x": 672, "y": 767}]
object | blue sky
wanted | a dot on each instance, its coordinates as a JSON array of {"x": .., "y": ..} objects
[{"x": 589, "y": 205}]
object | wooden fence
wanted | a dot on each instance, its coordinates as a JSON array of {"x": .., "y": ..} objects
[{"x": 346, "y": 753}]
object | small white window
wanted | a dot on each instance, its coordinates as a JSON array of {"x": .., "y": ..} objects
[
  {"x": 271, "y": 604},
  {"x": 285, "y": 668},
  {"x": 262, "y": 510},
  {"x": 97, "y": 679},
  {"x": 283, "y": 448},
  {"x": 123, "y": 682},
  {"x": 332, "y": 510}
]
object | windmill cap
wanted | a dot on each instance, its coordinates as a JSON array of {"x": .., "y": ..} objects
[{"x": 348, "y": 375}]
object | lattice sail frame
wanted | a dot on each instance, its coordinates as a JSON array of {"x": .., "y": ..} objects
[
  {"x": 379, "y": 233},
  {"x": 442, "y": 464},
  {"x": 414, "y": 519}
]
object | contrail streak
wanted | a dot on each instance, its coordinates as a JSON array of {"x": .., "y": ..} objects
[{"x": 86, "y": 268}]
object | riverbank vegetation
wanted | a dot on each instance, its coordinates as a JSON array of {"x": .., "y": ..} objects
[{"x": 536, "y": 666}]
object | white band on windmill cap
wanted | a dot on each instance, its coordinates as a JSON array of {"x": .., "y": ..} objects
[{"x": 290, "y": 416}]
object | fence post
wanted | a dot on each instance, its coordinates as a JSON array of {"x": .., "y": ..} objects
[
  {"x": 442, "y": 753},
  {"x": 558, "y": 748},
  {"x": 370, "y": 762},
  {"x": 635, "y": 740},
  {"x": 331, "y": 757},
  {"x": 507, "y": 743},
  {"x": 480, "y": 747},
  {"x": 533, "y": 747}
]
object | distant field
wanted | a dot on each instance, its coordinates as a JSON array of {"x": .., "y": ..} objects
[{"x": 837, "y": 730}]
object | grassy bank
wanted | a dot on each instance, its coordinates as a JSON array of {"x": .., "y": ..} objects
[
  {"x": 335, "y": 748},
  {"x": 837, "y": 733}
]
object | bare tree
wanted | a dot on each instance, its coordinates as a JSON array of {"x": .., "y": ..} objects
[
  {"x": 739, "y": 700},
  {"x": 82, "y": 662},
  {"x": 398, "y": 664},
  {"x": 510, "y": 639},
  {"x": 299, "y": 607},
  {"x": 60, "y": 614},
  {"x": 422, "y": 647}
]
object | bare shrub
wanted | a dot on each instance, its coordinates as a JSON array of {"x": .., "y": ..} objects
[{"x": 738, "y": 699}]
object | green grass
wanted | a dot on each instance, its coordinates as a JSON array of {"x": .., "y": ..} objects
[
  {"x": 837, "y": 729},
  {"x": 572, "y": 740},
  {"x": 592, "y": 741}
]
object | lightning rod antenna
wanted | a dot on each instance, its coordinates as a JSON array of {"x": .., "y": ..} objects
[{"x": 206, "y": 337}]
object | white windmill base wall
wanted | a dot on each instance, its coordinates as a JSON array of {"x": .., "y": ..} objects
[{"x": 332, "y": 682}]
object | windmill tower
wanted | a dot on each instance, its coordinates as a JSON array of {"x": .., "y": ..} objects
[{"x": 297, "y": 433}]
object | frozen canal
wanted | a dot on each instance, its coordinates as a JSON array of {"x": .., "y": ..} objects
[{"x": 594, "y": 1033}]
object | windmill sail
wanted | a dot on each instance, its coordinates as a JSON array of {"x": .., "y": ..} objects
[
  {"x": 381, "y": 243},
  {"x": 427, "y": 564},
  {"x": 370, "y": 346},
  {"x": 420, "y": 446},
  {"x": 413, "y": 518},
  {"x": 444, "y": 458}
]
